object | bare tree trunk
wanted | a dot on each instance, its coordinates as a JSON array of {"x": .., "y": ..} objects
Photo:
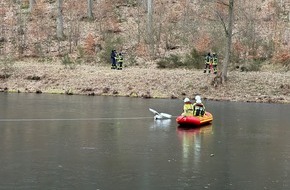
[
  {"x": 138, "y": 21},
  {"x": 150, "y": 26},
  {"x": 21, "y": 31},
  {"x": 229, "y": 41},
  {"x": 59, "y": 21},
  {"x": 90, "y": 9},
  {"x": 31, "y": 5},
  {"x": 2, "y": 31}
]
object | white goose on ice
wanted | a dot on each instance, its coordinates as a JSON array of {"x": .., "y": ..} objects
[{"x": 160, "y": 115}]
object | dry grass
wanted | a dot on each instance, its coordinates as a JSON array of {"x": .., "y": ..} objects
[{"x": 147, "y": 83}]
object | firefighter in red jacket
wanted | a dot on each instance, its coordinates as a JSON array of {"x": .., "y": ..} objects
[{"x": 208, "y": 63}]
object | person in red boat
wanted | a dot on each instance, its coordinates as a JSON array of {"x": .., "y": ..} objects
[
  {"x": 198, "y": 107},
  {"x": 187, "y": 107}
]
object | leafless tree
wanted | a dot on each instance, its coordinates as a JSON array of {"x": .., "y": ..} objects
[
  {"x": 73, "y": 24},
  {"x": 2, "y": 30},
  {"x": 150, "y": 26},
  {"x": 90, "y": 9},
  {"x": 59, "y": 26},
  {"x": 20, "y": 35},
  {"x": 228, "y": 29}
]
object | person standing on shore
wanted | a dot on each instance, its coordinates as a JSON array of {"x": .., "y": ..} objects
[
  {"x": 120, "y": 61},
  {"x": 113, "y": 59},
  {"x": 208, "y": 63},
  {"x": 214, "y": 62}
]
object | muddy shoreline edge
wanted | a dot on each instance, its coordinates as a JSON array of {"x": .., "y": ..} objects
[{"x": 142, "y": 82}]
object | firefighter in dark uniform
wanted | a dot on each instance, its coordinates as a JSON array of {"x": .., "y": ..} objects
[
  {"x": 208, "y": 63},
  {"x": 113, "y": 59},
  {"x": 198, "y": 107}
]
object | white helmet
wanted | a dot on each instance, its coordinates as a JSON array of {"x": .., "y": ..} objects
[
  {"x": 186, "y": 100},
  {"x": 198, "y": 101},
  {"x": 197, "y": 97}
]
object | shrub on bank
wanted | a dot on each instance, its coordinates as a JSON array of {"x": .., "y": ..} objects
[
  {"x": 171, "y": 62},
  {"x": 6, "y": 66},
  {"x": 284, "y": 60},
  {"x": 194, "y": 59}
]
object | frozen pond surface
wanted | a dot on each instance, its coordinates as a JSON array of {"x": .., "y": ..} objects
[{"x": 81, "y": 142}]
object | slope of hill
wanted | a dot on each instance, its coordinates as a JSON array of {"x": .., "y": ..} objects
[{"x": 261, "y": 29}]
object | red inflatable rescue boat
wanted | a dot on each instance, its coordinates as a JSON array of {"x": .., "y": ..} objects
[{"x": 194, "y": 121}]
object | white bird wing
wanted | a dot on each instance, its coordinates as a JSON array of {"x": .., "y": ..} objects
[{"x": 153, "y": 111}]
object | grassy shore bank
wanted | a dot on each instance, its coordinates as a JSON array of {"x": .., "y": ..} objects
[{"x": 270, "y": 87}]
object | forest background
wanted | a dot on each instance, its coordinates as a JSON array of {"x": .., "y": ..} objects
[{"x": 44, "y": 44}]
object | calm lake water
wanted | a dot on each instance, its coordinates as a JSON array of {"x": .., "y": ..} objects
[{"x": 113, "y": 143}]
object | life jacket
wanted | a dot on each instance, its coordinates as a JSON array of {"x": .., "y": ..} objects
[
  {"x": 214, "y": 60},
  {"x": 119, "y": 61},
  {"x": 120, "y": 58},
  {"x": 198, "y": 109},
  {"x": 188, "y": 109}
]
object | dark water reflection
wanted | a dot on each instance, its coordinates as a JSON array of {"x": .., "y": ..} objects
[{"x": 80, "y": 142}]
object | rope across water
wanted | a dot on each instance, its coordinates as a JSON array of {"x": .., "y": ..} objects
[{"x": 72, "y": 119}]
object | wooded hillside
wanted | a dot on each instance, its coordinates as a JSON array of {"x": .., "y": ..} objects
[{"x": 145, "y": 30}]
